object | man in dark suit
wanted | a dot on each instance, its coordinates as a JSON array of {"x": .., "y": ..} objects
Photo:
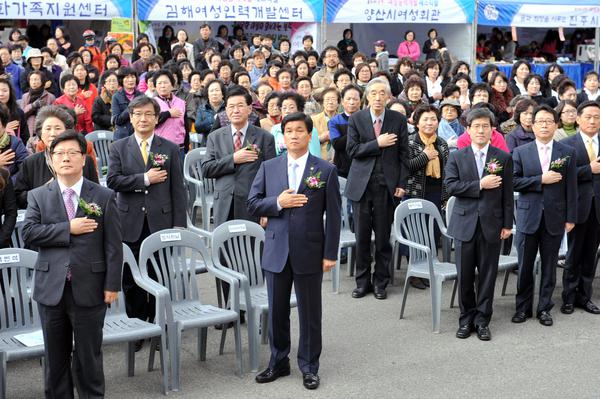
[
  {"x": 378, "y": 146},
  {"x": 580, "y": 265},
  {"x": 146, "y": 173},
  {"x": 480, "y": 177},
  {"x": 546, "y": 176},
  {"x": 75, "y": 224},
  {"x": 295, "y": 191},
  {"x": 233, "y": 155}
]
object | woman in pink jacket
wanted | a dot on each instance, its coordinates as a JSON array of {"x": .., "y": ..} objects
[{"x": 409, "y": 47}]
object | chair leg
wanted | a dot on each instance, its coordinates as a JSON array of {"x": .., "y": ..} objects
[
  {"x": 406, "y": 286},
  {"x": 436, "y": 304},
  {"x": 253, "y": 337},
  {"x": 238, "y": 347},
  {"x": 394, "y": 262},
  {"x": 506, "y": 276},
  {"x": 154, "y": 344},
  {"x": 175, "y": 351},
  {"x": 223, "y": 337},
  {"x": 130, "y": 358},
  {"x": 351, "y": 261},
  {"x": 202, "y": 334},
  {"x": 163, "y": 363},
  {"x": 3, "y": 375},
  {"x": 335, "y": 276},
  {"x": 454, "y": 288},
  {"x": 264, "y": 328}
]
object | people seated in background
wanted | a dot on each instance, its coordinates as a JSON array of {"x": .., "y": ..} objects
[
  {"x": 382, "y": 56},
  {"x": 36, "y": 98},
  {"x": 523, "y": 133},
  {"x": 449, "y": 126},
  {"x": 72, "y": 99},
  {"x": 590, "y": 90}
]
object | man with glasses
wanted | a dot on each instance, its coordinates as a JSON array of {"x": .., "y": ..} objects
[
  {"x": 583, "y": 241},
  {"x": 324, "y": 77},
  {"x": 145, "y": 170},
  {"x": 545, "y": 175},
  {"x": 480, "y": 177}
]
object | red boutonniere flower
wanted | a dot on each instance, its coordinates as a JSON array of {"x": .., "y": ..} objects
[
  {"x": 157, "y": 160},
  {"x": 313, "y": 180},
  {"x": 493, "y": 167},
  {"x": 253, "y": 147},
  {"x": 559, "y": 163}
]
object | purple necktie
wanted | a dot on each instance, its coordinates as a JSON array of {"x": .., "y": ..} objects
[{"x": 68, "y": 196}]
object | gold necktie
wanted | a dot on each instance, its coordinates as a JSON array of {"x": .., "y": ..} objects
[
  {"x": 590, "y": 149},
  {"x": 144, "y": 151}
]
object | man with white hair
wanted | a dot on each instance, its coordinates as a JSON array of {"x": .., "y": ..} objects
[{"x": 378, "y": 146}]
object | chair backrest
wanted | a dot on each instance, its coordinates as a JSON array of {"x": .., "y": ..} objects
[
  {"x": 16, "y": 238},
  {"x": 171, "y": 255},
  {"x": 192, "y": 173},
  {"x": 414, "y": 220},
  {"x": 449, "y": 208},
  {"x": 345, "y": 217},
  {"x": 118, "y": 306},
  {"x": 237, "y": 245},
  {"x": 101, "y": 140},
  {"x": 18, "y": 310}
]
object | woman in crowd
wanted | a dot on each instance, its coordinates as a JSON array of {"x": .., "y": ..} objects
[
  {"x": 112, "y": 62},
  {"x": 304, "y": 87},
  {"x": 222, "y": 37},
  {"x": 403, "y": 66},
  {"x": 501, "y": 96},
  {"x": 8, "y": 203},
  {"x": 289, "y": 103},
  {"x": 73, "y": 100},
  {"x": 87, "y": 90},
  {"x": 36, "y": 98},
  {"x": 273, "y": 112},
  {"x": 165, "y": 41},
  {"x": 428, "y": 49},
  {"x": 17, "y": 123},
  {"x": 338, "y": 128},
  {"x": 551, "y": 72},
  {"x": 12, "y": 150},
  {"x": 101, "y": 109},
  {"x": 348, "y": 48},
  {"x": 128, "y": 80},
  {"x": 64, "y": 40},
  {"x": 205, "y": 117},
  {"x": 463, "y": 82},
  {"x": 460, "y": 67},
  {"x": 433, "y": 80},
  {"x": 144, "y": 52},
  {"x": 449, "y": 126},
  {"x": 363, "y": 75},
  {"x": 259, "y": 106},
  {"x": 534, "y": 86},
  {"x": 117, "y": 49},
  {"x": 182, "y": 42},
  {"x": 35, "y": 61},
  {"x": 497, "y": 139},
  {"x": 330, "y": 98},
  {"x": 413, "y": 94},
  {"x": 409, "y": 47},
  {"x": 523, "y": 134},
  {"x": 236, "y": 56},
  {"x": 194, "y": 98},
  {"x": 520, "y": 70},
  {"x": 171, "y": 120},
  {"x": 36, "y": 169},
  {"x": 487, "y": 72},
  {"x": 567, "y": 125},
  {"x": 93, "y": 72}
]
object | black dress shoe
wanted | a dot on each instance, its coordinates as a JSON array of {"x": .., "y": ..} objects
[
  {"x": 589, "y": 307},
  {"x": 380, "y": 293},
  {"x": 270, "y": 375},
  {"x": 417, "y": 283},
  {"x": 360, "y": 292},
  {"x": 567, "y": 308},
  {"x": 310, "y": 380},
  {"x": 484, "y": 333},
  {"x": 425, "y": 282},
  {"x": 519, "y": 317},
  {"x": 545, "y": 318},
  {"x": 465, "y": 331},
  {"x": 138, "y": 345}
]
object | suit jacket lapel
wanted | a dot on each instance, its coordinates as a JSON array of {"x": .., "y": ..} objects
[
  {"x": 249, "y": 137},
  {"x": 135, "y": 152},
  {"x": 54, "y": 188},
  {"x": 154, "y": 148},
  {"x": 310, "y": 165},
  {"x": 470, "y": 159},
  {"x": 87, "y": 195},
  {"x": 535, "y": 157}
]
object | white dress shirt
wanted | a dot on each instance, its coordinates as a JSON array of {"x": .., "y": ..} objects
[
  {"x": 243, "y": 130},
  {"x": 148, "y": 145},
  {"x": 592, "y": 96},
  {"x": 75, "y": 187},
  {"x": 485, "y": 151},
  {"x": 301, "y": 165},
  {"x": 540, "y": 150}
]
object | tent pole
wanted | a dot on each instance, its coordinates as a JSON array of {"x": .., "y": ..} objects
[
  {"x": 134, "y": 17},
  {"x": 474, "y": 43},
  {"x": 323, "y": 28},
  {"x": 597, "y": 49}
]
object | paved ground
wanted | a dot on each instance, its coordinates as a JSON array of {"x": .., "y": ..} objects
[{"x": 368, "y": 352}]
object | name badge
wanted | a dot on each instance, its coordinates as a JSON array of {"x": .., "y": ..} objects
[
  {"x": 167, "y": 237},
  {"x": 20, "y": 217},
  {"x": 101, "y": 135},
  {"x": 10, "y": 258},
  {"x": 415, "y": 205},
  {"x": 237, "y": 228}
]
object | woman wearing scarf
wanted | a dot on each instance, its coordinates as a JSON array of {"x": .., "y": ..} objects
[
  {"x": 101, "y": 109},
  {"x": 12, "y": 150},
  {"x": 501, "y": 96},
  {"x": 36, "y": 98},
  {"x": 450, "y": 127}
]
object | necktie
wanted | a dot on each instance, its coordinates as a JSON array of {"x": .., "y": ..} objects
[
  {"x": 237, "y": 144},
  {"x": 590, "y": 149},
  {"x": 292, "y": 177},
  {"x": 68, "y": 196},
  {"x": 144, "y": 149},
  {"x": 377, "y": 127},
  {"x": 545, "y": 158},
  {"x": 480, "y": 161}
]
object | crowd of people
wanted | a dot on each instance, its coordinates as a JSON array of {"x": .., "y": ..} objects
[{"x": 418, "y": 131}]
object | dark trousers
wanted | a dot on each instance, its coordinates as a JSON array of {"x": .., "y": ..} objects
[
  {"x": 60, "y": 325},
  {"x": 481, "y": 256},
  {"x": 308, "y": 294},
  {"x": 374, "y": 212},
  {"x": 580, "y": 265},
  {"x": 138, "y": 303},
  {"x": 548, "y": 246}
]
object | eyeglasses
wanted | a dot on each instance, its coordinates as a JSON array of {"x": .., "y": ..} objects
[
  {"x": 544, "y": 122},
  {"x": 147, "y": 115},
  {"x": 569, "y": 111},
  {"x": 68, "y": 154}
]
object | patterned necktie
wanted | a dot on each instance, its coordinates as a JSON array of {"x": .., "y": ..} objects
[
  {"x": 237, "y": 144},
  {"x": 68, "y": 196},
  {"x": 480, "y": 160},
  {"x": 590, "y": 149},
  {"x": 144, "y": 149},
  {"x": 377, "y": 127},
  {"x": 545, "y": 158}
]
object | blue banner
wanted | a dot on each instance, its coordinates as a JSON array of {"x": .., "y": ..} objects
[
  {"x": 539, "y": 13},
  {"x": 61, "y": 9},
  {"x": 401, "y": 11},
  {"x": 231, "y": 10}
]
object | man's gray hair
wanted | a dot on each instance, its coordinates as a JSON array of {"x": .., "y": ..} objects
[
  {"x": 376, "y": 81},
  {"x": 478, "y": 113}
]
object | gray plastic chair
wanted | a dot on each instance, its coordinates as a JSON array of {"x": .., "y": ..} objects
[
  {"x": 347, "y": 240},
  {"x": 167, "y": 253},
  {"x": 16, "y": 239},
  {"x": 204, "y": 198},
  {"x": 118, "y": 327},
  {"x": 236, "y": 249},
  {"x": 414, "y": 226},
  {"x": 18, "y": 311},
  {"x": 101, "y": 140}
]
